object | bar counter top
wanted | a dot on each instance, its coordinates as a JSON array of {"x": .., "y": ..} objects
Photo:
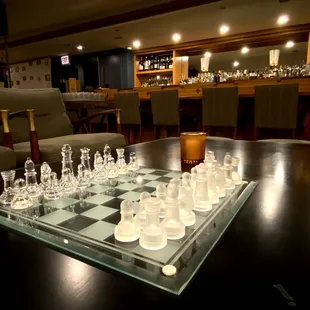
[{"x": 194, "y": 91}]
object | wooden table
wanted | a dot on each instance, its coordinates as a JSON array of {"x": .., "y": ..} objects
[{"x": 267, "y": 244}]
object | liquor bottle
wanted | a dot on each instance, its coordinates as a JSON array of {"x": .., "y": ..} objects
[
  {"x": 152, "y": 62},
  {"x": 141, "y": 64},
  {"x": 156, "y": 63},
  {"x": 146, "y": 64},
  {"x": 167, "y": 63},
  {"x": 170, "y": 62},
  {"x": 162, "y": 63}
]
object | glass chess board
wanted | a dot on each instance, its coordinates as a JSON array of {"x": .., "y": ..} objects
[{"x": 84, "y": 227}]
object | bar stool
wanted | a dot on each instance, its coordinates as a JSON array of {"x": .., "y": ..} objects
[
  {"x": 129, "y": 103},
  {"x": 165, "y": 109},
  {"x": 220, "y": 107},
  {"x": 276, "y": 107}
]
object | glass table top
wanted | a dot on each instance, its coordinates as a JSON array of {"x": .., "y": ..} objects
[{"x": 83, "y": 227}]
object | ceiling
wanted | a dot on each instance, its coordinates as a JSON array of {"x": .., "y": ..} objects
[{"x": 197, "y": 23}]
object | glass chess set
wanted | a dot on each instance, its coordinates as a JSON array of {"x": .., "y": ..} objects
[{"x": 152, "y": 224}]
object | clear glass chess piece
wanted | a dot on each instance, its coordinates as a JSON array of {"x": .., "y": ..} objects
[
  {"x": 121, "y": 163},
  {"x": 22, "y": 199},
  {"x": 153, "y": 236},
  {"x": 83, "y": 179},
  {"x": 227, "y": 160},
  {"x": 100, "y": 175},
  {"x": 53, "y": 190},
  {"x": 186, "y": 201},
  {"x": 133, "y": 165},
  {"x": 66, "y": 153},
  {"x": 235, "y": 174},
  {"x": 220, "y": 181},
  {"x": 32, "y": 186},
  {"x": 67, "y": 182},
  {"x": 161, "y": 191},
  {"x": 8, "y": 191},
  {"x": 127, "y": 229},
  {"x": 141, "y": 215},
  {"x": 174, "y": 227},
  {"x": 202, "y": 202},
  {"x": 112, "y": 168},
  {"x": 85, "y": 162},
  {"x": 45, "y": 174},
  {"x": 106, "y": 154}
]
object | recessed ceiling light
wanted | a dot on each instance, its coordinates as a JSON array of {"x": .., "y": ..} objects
[
  {"x": 236, "y": 64},
  {"x": 224, "y": 29},
  {"x": 136, "y": 44},
  {"x": 129, "y": 48},
  {"x": 244, "y": 50},
  {"x": 208, "y": 54},
  {"x": 289, "y": 44},
  {"x": 79, "y": 47},
  {"x": 176, "y": 37},
  {"x": 283, "y": 19}
]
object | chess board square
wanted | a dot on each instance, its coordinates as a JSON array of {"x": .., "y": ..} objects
[
  {"x": 57, "y": 217},
  {"x": 114, "y": 203},
  {"x": 80, "y": 207},
  {"x": 154, "y": 183},
  {"x": 127, "y": 186},
  {"x": 38, "y": 210},
  {"x": 174, "y": 175},
  {"x": 77, "y": 223},
  {"x": 162, "y": 255},
  {"x": 113, "y": 218},
  {"x": 151, "y": 177},
  {"x": 146, "y": 170},
  {"x": 129, "y": 246},
  {"x": 164, "y": 179},
  {"x": 133, "y": 196},
  {"x": 114, "y": 192},
  {"x": 97, "y": 189},
  {"x": 160, "y": 172},
  {"x": 144, "y": 189},
  {"x": 124, "y": 178},
  {"x": 99, "y": 212},
  {"x": 99, "y": 230},
  {"x": 62, "y": 202},
  {"x": 98, "y": 199}
]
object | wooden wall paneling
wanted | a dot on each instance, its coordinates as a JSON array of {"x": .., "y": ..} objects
[
  {"x": 137, "y": 82},
  {"x": 308, "y": 51}
]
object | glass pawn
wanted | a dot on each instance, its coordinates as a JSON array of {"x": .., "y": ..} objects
[
  {"x": 193, "y": 177},
  {"x": 220, "y": 181},
  {"x": 141, "y": 215},
  {"x": 68, "y": 182},
  {"x": 106, "y": 154},
  {"x": 66, "y": 153},
  {"x": 212, "y": 190},
  {"x": 99, "y": 173},
  {"x": 22, "y": 199},
  {"x": 32, "y": 186},
  {"x": 112, "y": 168},
  {"x": 235, "y": 174},
  {"x": 161, "y": 191},
  {"x": 45, "y": 174},
  {"x": 202, "y": 202},
  {"x": 8, "y": 191},
  {"x": 174, "y": 227},
  {"x": 229, "y": 183},
  {"x": 133, "y": 165},
  {"x": 153, "y": 236},
  {"x": 83, "y": 179},
  {"x": 186, "y": 201},
  {"x": 127, "y": 229},
  {"x": 85, "y": 162},
  {"x": 121, "y": 163},
  {"x": 53, "y": 190}
]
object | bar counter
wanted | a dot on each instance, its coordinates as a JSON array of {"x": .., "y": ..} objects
[{"x": 194, "y": 91}]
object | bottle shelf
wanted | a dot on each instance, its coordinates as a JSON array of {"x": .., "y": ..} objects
[{"x": 155, "y": 72}]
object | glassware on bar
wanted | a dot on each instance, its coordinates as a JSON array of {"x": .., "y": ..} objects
[{"x": 193, "y": 146}]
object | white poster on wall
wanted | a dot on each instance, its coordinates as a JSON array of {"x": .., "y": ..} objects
[{"x": 31, "y": 74}]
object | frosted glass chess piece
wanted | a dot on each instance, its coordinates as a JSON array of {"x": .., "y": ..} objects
[
  {"x": 174, "y": 227},
  {"x": 68, "y": 182},
  {"x": 22, "y": 199},
  {"x": 229, "y": 183},
  {"x": 106, "y": 154},
  {"x": 45, "y": 174},
  {"x": 186, "y": 201},
  {"x": 235, "y": 174},
  {"x": 53, "y": 190},
  {"x": 32, "y": 186},
  {"x": 153, "y": 236},
  {"x": 141, "y": 215},
  {"x": 176, "y": 181},
  {"x": 8, "y": 192},
  {"x": 127, "y": 229},
  {"x": 85, "y": 162},
  {"x": 83, "y": 179},
  {"x": 202, "y": 202},
  {"x": 193, "y": 177},
  {"x": 133, "y": 165},
  {"x": 161, "y": 191},
  {"x": 100, "y": 175},
  {"x": 212, "y": 190},
  {"x": 121, "y": 163},
  {"x": 209, "y": 159},
  {"x": 220, "y": 181}
]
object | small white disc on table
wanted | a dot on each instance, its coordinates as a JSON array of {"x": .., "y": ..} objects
[{"x": 169, "y": 270}]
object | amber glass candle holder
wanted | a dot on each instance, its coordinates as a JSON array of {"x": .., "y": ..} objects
[{"x": 193, "y": 145}]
